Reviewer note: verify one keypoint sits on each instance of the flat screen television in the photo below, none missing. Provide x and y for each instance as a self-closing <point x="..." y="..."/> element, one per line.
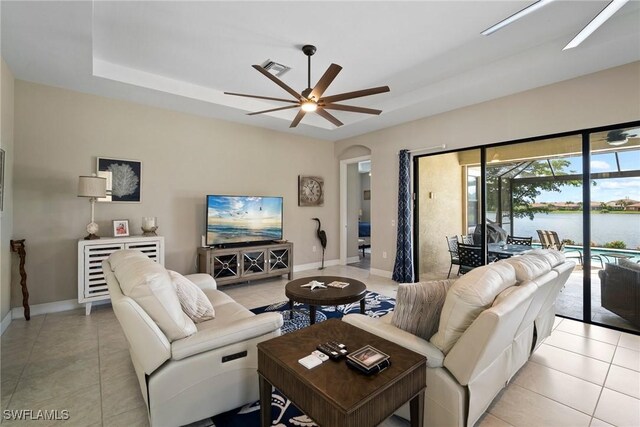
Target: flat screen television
<point x="233" y="220"/>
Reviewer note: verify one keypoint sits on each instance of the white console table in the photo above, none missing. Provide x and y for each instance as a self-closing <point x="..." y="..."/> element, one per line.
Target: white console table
<point x="92" y="285"/>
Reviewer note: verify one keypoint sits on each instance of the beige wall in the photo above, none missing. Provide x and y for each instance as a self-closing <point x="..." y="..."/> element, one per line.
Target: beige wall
<point x="440" y="211"/>
<point x="604" y="98"/>
<point x="6" y="221"/>
<point x="59" y="133"/>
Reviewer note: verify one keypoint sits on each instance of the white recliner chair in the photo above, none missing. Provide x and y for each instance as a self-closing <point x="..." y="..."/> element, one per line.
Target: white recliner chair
<point x="188" y="379"/>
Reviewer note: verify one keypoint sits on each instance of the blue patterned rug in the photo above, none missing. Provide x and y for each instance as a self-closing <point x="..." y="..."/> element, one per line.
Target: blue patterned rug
<point x="285" y="413"/>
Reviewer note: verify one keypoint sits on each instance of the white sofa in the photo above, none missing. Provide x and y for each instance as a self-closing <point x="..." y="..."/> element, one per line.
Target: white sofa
<point x="188" y="379"/>
<point x="474" y="355"/>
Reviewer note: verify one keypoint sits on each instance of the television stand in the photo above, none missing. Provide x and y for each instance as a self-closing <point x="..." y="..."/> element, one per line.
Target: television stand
<point x="247" y="262"/>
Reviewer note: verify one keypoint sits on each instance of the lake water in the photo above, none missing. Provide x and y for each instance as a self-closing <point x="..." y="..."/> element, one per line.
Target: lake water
<point x="604" y="227"/>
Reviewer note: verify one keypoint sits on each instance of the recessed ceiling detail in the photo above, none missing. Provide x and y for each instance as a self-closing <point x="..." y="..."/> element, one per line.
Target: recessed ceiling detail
<point x="182" y="55"/>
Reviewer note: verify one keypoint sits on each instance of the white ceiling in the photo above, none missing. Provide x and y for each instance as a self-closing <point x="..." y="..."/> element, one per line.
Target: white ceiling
<point x="182" y="55"/>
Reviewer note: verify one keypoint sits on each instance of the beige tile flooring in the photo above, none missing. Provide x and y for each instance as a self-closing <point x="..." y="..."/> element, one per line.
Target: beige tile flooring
<point x="581" y="375"/>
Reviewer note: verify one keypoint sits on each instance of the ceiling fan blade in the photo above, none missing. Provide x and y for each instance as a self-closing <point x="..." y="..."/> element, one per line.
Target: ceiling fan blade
<point x="325" y="81"/>
<point x="297" y="119"/>
<point x="329" y="117"/>
<point x="261" y="97"/>
<point x="277" y="81"/>
<point x="351" y="108"/>
<point x="288" y="107"/>
<point x="356" y="94"/>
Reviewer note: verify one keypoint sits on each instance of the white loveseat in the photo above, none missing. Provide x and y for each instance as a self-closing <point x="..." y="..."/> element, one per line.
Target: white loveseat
<point x="208" y="372"/>
<point x="492" y="320"/>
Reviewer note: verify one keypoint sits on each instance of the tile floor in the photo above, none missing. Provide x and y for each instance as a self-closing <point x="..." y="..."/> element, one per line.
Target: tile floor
<point x="581" y="376"/>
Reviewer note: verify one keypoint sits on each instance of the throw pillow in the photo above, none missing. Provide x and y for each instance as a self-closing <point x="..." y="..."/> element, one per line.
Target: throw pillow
<point x="418" y="307"/>
<point x="193" y="301"/>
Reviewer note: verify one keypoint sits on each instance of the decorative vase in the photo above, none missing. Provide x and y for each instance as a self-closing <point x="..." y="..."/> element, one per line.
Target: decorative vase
<point x="149" y="225"/>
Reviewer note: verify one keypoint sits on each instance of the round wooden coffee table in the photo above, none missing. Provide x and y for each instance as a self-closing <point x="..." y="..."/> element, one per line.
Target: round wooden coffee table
<point x="329" y="296"/>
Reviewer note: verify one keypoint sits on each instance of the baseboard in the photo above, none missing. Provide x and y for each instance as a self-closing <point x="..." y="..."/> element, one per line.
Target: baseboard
<point x="6" y="322"/>
<point x="353" y="259"/>
<point x="52" y="307"/>
<point x="381" y="273"/>
<point x="312" y="265"/>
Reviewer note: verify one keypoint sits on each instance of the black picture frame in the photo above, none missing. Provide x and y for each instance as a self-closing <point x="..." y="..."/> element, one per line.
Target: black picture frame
<point x="124" y="179"/>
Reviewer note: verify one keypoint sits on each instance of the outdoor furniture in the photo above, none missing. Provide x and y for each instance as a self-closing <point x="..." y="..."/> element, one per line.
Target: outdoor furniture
<point x="620" y="289"/>
<point x="503" y="251"/>
<point x="452" y="243"/>
<point x="521" y="241"/>
<point x="550" y="240"/>
<point x="469" y="257"/>
<point x="467" y="239"/>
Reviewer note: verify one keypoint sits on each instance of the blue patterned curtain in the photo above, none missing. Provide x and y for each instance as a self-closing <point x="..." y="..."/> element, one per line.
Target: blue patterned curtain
<point x="403" y="267"/>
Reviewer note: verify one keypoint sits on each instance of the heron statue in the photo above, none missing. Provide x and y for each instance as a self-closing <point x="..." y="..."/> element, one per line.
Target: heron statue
<point x="322" y="236"/>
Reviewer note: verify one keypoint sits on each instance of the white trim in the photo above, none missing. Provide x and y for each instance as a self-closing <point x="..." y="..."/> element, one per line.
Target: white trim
<point x="52" y="307"/>
<point x="353" y="259"/>
<point x="381" y="273"/>
<point x="343" y="204"/>
<point x="6" y="322"/>
<point x="312" y="265"/>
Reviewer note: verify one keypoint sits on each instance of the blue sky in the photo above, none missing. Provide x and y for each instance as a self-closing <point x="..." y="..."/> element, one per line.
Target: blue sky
<point x="605" y="190"/>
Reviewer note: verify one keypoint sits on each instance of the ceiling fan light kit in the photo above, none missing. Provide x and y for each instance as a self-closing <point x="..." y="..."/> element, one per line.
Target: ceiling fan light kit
<point x="311" y="100"/>
<point x="591" y="27"/>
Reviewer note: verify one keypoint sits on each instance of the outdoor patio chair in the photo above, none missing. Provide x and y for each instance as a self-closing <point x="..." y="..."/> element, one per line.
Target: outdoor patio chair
<point x="550" y="240"/>
<point x="467" y="239"/>
<point x="520" y="241"/>
<point x="470" y="257"/>
<point x="452" y="243"/>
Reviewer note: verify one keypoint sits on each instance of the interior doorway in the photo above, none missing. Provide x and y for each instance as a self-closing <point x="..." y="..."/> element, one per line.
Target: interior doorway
<point x="355" y="212"/>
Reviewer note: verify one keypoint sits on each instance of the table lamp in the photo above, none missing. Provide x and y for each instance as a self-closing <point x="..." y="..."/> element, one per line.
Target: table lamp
<point x="92" y="187"/>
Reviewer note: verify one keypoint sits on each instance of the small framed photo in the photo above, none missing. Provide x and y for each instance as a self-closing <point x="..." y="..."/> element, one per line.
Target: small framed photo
<point x="368" y="357"/>
<point x="120" y="228"/>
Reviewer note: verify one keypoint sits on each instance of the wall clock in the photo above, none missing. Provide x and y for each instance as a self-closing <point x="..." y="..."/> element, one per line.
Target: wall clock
<point x="310" y="191"/>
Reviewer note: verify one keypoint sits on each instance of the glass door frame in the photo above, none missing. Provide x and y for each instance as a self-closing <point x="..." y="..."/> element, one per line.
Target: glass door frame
<point x="586" y="202"/>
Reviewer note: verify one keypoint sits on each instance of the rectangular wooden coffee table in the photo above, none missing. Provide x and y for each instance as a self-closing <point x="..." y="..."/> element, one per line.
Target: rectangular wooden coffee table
<point x="332" y="394"/>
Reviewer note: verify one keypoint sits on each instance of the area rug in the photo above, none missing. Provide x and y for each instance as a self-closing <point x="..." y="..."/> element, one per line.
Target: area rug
<point x="284" y="412"/>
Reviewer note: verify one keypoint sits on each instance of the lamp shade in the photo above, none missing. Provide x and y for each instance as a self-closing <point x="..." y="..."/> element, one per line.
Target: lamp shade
<point x="92" y="186"/>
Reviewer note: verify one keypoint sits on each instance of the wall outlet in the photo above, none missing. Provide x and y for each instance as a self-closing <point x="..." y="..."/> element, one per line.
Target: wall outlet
<point x="384" y="255"/>
<point x="314" y="248"/>
<point x="393" y="222"/>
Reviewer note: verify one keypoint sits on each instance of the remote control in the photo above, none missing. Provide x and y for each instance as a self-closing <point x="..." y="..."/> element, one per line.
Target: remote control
<point x="329" y="352"/>
<point x="337" y="347"/>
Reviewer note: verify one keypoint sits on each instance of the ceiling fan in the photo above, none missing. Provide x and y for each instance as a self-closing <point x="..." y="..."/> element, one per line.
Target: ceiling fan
<point x="311" y="100"/>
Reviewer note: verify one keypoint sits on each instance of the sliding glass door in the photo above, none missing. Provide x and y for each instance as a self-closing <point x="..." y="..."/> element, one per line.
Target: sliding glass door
<point x="534" y="199"/>
<point x="575" y="192"/>
<point x="615" y="227"/>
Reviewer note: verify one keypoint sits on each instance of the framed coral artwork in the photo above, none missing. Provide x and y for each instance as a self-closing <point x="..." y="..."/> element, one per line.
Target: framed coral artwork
<point x="124" y="179"/>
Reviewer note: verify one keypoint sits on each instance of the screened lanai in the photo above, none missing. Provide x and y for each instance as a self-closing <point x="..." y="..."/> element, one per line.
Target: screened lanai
<point x="544" y="184"/>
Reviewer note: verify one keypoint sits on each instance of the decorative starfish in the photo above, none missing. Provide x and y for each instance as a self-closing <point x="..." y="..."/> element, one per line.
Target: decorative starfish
<point x="314" y="284"/>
